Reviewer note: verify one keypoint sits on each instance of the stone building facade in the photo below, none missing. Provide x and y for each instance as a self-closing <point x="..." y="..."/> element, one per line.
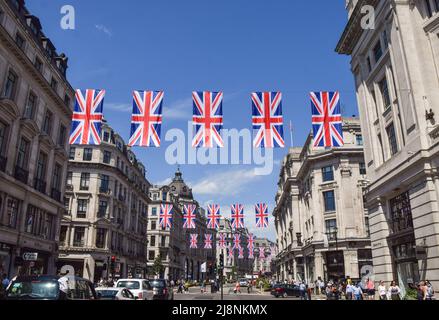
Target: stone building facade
<point x="263" y="264"/>
<point x="35" y="116"/>
<point x="321" y="223"/>
<point x="396" y="71"/>
<point x="103" y="231"/>
<point x="179" y="261"/>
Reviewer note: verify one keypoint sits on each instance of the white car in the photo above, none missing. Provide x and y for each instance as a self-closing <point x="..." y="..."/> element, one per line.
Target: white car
<point x="115" y="294"/>
<point x="243" y="282"/>
<point x="140" y="288"/>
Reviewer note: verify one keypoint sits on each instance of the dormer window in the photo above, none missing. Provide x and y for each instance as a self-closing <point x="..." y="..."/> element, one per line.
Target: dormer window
<point x="34" y="28"/>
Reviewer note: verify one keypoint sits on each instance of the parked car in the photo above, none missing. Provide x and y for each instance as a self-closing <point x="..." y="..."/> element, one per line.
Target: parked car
<point x="285" y="290"/>
<point x="243" y="282"/>
<point x="45" y="287"/>
<point x="140" y="288"/>
<point x="161" y="290"/>
<point x="115" y="294"/>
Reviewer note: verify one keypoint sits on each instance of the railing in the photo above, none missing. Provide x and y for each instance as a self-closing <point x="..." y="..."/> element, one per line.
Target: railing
<point x="104" y="190"/>
<point x="40" y="185"/>
<point x="56" y="194"/>
<point x="3" y="162"/>
<point x="78" y="243"/>
<point x="21" y="174"/>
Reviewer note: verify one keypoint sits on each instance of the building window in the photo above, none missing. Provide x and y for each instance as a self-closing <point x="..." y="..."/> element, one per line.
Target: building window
<point x="428" y="8"/>
<point x="56" y="180"/>
<point x="69" y="178"/>
<point x="38" y="65"/>
<point x="12" y="212"/>
<point x="392" y="139"/>
<point x="101" y="235"/>
<point x="359" y="139"/>
<point x="79" y="236"/>
<point x="102" y="212"/>
<point x="164" y="196"/>
<point x="105" y="183"/>
<point x="40" y="183"/>
<point x="369" y="64"/>
<point x="47" y="125"/>
<point x="363" y="168"/>
<point x="22" y="153"/>
<point x="384" y="88"/>
<point x="82" y="208"/>
<point x="19" y="41"/>
<point x="377" y="52"/>
<point x="87" y="155"/>
<point x="367" y="225"/>
<point x="401" y="213"/>
<point x="106" y="136"/>
<point x="152" y="242"/>
<point x="63" y="236"/>
<point x="331" y="229"/>
<point x="107" y="157"/>
<point x="11" y="82"/>
<point x="53" y="83"/>
<point x="85" y="181"/>
<point x="328" y="173"/>
<point x="380" y="140"/>
<point x="151" y="255"/>
<point x="67" y="100"/>
<point x="154" y="211"/>
<point x="62" y="135"/>
<point x="386" y="39"/>
<point x="3" y="140"/>
<point x="31" y="105"/>
<point x="329" y="199"/>
<point x="72" y="151"/>
<point x="153" y="225"/>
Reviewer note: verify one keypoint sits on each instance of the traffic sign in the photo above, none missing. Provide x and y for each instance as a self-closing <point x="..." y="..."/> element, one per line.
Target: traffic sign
<point x="30" y="256"/>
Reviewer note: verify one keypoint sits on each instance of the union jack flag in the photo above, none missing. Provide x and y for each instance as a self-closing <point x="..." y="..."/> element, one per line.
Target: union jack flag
<point x="146" y="121"/>
<point x="222" y="241"/>
<point x="237" y="216"/>
<point x="262" y="253"/>
<point x="87" y="117"/>
<point x="194" y="241"/>
<point x="207" y="241"/>
<point x="326" y="119"/>
<point x="241" y="253"/>
<point x="189" y="216"/>
<point x="213" y="216"/>
<point x="261" y="215"/>
<point x="166" y="216"/>
<point x="236" y="241"/>
<point x="207" y="119"/>
<point x="231" y="253"/>
<point x="251" y="241"/>
<point x="268" y="120"/>
<point x="251" y="254"/>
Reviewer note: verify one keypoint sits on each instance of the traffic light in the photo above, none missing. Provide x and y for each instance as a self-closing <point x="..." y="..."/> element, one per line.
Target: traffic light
<point x="221" y="262"/>
<point x="112" y="263"/>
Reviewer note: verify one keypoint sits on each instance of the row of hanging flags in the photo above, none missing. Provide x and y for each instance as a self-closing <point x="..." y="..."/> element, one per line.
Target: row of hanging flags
<point x="147" y="119"/>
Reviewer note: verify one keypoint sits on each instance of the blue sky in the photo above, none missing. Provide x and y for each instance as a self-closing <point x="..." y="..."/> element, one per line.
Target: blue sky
<point x="234" y="46"/>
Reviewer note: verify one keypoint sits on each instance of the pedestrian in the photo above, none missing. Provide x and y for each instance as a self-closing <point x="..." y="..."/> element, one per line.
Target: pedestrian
<point x="309" y="291"/>
<point x="302" y="288"/>
<point x="5" y="281"/>
<point x="394" y="291"/>
<point x="430" y="290"/>
<point x="237" y="288"/>
<point x="370" y="287"/>
<point x="358" y="292"/>
<point x="382" y="291"/>
<point x="349" y="291"/>
<point x="422" y="291"/>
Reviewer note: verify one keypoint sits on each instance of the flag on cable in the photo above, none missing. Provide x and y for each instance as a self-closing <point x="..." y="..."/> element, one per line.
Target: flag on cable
<point x="237" y="216"/>
<point x="261" y="215"/>
<point x="207" y="119"/>
<point x="250" y="246"/>
<point x="241" y="253"/>
<point x="251" y="254"/>
<point x="87" y="117"/>
<point x="194" y="241"/>
<point x="222" y="241"/>
<point x="236" y="241"/>
<point x="207" y="241"/>
<point x="231" y="253"/>
<point x="189" y="216"/>
<point x="213" y="216"/>
<point x="146" y="120"/>
<point x="326" y="119"/>
<point x="262" y="253"/>
<point x="268" y="120"/>
<point x="166" y="216"/>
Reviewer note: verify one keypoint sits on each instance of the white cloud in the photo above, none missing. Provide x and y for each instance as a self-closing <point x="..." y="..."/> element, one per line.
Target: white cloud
<point x="225" y="184"/>
<point x="104" y="29"/>
<point x="163" y="182"/>
<point x="120" y="107"/>
<point x="180" y="109"/>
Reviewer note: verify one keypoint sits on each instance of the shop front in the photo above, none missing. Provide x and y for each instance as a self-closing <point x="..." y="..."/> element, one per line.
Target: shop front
<point x="335" y="267"/>
<point x="6" y="262"/>
<point x="34" y="262"/>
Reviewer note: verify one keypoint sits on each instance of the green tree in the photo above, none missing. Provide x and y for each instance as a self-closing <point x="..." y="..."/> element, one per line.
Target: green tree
<point x="158" y="267"/>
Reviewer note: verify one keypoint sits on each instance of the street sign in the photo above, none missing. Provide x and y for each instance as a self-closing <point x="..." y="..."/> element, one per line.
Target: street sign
<point x="30" y="256"/>
<point x="204" y="267"/>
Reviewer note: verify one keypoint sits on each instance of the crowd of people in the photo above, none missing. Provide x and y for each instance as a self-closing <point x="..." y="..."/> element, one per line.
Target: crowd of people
<point x="362" y="290"/>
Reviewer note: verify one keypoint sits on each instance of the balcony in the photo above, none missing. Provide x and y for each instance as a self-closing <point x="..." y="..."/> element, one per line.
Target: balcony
<point x="3" y="162"/>
<point x="56" y="194"/>
<point x="40" y="185"/>
<point x="104" y="190"/>
<point x="78" y="243"/>
<point x="21" y="175"/>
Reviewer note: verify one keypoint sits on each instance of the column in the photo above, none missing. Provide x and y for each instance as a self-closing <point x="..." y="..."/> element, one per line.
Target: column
<point x="318" y="261"/>
<point x="351" y="263"/>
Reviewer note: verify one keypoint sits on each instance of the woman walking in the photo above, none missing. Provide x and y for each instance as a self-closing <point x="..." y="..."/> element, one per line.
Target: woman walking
<point x="382" y="291"/>
<point x="394" y="291"/>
